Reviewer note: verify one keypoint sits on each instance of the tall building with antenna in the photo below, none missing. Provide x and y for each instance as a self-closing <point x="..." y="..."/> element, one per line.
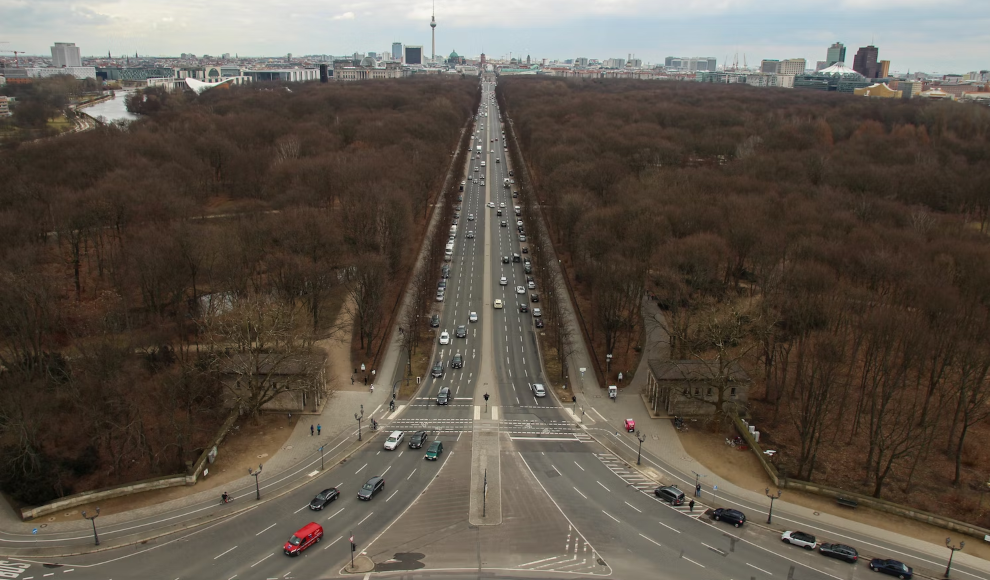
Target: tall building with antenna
<point x="433" y="32"/>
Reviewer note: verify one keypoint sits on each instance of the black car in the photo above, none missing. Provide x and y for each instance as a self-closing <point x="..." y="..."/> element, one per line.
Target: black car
<point x="528" y="269"/>
<point x="534" y="297"/>
<point x="892" y="568"/>
<point x="505" y="224"/>
<point x="461" y="332"/>
<point x="670" y="494"/>
<point x="734" y="517"/>
<point x="523" y="307"/>
<point x="418" y="439"/>
<point x="435" y="320"/>
<point x="539" y="323"/>
<point x="840" y="551"/>
<point x="444" y="397"/>
<point x="323" y="498"/>
<point x="437" y="371"/>
<point x="374" y="485"/>
<point x="525" y="250"/>
<point x="445" y="271"/>
<point x="457" y="362"/>
<point x="442" y="283"/>
<point x="505" y="259"/>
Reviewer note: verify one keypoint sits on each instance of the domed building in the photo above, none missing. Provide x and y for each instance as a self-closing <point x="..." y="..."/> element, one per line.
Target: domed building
<point x="837" y="77"/>
<point x="455" y="58"/>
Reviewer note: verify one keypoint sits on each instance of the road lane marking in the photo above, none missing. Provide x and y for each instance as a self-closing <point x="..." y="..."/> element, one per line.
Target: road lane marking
<point x="669" y="528"/>
<point x="359" y="470"/>
<point x="391" y="496"/>
<point x="633" y="507"/>
<point x="755" y="568"/>
<point x="268" y="528"/>
<point x="580" y="494"/>
<point x="712" y="548"/>
<point x="555" y="468"/>
<point x="649" y="540"/>
<point x="611" y="516"/>
<point x="386" y="470"/>
<point x="228" y="551"/>
<point x="414" y="471"/>
<point x="695" y="563"/>
<point x="365" y="517"/>
<point x="330" y="544"/>
<point x="603" y="485"/>
<point x="338" y="511"/>
<point x="263" y="559"/>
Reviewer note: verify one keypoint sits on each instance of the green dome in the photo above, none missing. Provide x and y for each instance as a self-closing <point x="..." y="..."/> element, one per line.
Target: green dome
<point x="454" y="54"/>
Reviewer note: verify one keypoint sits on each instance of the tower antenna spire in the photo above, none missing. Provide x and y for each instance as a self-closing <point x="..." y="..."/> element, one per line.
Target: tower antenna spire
<point x="433" y="30"/>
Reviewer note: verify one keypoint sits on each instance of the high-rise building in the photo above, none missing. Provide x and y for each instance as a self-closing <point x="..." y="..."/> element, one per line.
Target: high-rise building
<point x="694" y="63"/>
<point x="580" y="61"/>
<point x="792" y="66"/>
<point x="65" y="54"/>
<point x="865" y="62"/>
<point x="836" y="53"/>
<point x="433" y="35"/>
<point x="413" y="54"/>
<point x="769" y="66"/>
<point x="397" y="51"/>
<point x="884" y="69"/>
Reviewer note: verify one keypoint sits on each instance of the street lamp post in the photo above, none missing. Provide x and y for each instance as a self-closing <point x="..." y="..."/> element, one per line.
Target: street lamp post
<point x="948" y="544"/>
<point x="321" y="458"/>
<point x="359" y="417"/>
<point x="772" y="497"/>
<point x="608" y="364"/>
<point x="257" y="486"/>
<point x="641" y="437"/>
<point x="97" y="538"/>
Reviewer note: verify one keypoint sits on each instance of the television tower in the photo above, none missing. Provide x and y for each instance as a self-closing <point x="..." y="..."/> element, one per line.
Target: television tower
<point x="433" y="31"/>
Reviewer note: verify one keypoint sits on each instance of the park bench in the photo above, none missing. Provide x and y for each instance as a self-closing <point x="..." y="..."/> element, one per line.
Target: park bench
<point x="845" y="501"/>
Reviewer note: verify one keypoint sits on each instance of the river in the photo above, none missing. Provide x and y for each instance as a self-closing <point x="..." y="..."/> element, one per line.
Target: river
<point x="112" y="109"/>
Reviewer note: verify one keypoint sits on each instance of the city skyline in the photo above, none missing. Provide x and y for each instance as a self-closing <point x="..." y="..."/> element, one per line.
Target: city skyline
<point x="919" y="35"/>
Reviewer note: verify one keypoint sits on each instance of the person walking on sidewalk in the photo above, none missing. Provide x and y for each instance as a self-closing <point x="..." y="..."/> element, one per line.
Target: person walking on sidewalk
<point x="318" y="427"/>
<point x="372" y="388"/>
<point x="310" y="430"/>
<point x="691" y="505"/>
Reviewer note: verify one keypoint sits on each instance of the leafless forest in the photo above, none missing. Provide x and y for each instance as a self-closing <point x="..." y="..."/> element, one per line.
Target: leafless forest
<point x="835" y="246"/>
<point x="132" y="260"/>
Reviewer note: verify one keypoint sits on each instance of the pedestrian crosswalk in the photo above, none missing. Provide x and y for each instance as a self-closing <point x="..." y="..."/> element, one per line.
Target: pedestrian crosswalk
<point x="578" y="557"/>
<point x="641" y="483"/>
<point x="522" y="428"/>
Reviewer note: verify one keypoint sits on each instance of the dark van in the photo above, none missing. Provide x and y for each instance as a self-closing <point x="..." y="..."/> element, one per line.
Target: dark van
<point x="308" y="535"/>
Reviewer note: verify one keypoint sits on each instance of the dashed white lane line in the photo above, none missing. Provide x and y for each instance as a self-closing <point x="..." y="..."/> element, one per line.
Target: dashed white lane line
<point x="579" y="466"/>
<point x="391" y="496"/>
<point x="669" y="528"/>
<point x="365" y="517"/>
<point x="611" y="516"/>
<point x="338" y="511"/>
<point x="580" y="494"/>
<point x="603" y="486"/>
<point x="227" y="552"/>
<point x="633" y="507"/>
<point x="411" y="474"/>
<point x="332" y="543"/>
<point x="713" y="549"/>
<point x="263" y="559"/>
<point x="266" y="529"/>
<point x="697" y="564"/>
<point x="755" y="568"/>
<point x="650" y="540"/>
<point x="359" y="470"/>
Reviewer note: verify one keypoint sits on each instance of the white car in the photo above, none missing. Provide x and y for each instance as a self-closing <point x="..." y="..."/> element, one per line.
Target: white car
<point x="502" y="205"/>
<point x="520" y="290"/>
<point x="498" y="304"/>
<point x="470" y="217"/>
<point x="393" y="440"/>
<point x="538" y="390"/>
<point x="503" y="281"/>
<point x="519" y="222"/>
<point x="473" y="317"/>
<point x="444" y="337"/>
<point x="801" y="539"/>
<point x="491" y="204"/>
<point x="537" y="313"/>
<point x="531" y="284"/>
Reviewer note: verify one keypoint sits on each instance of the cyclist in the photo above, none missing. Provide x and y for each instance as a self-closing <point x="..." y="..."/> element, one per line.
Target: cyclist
<point x="225" y="497"/>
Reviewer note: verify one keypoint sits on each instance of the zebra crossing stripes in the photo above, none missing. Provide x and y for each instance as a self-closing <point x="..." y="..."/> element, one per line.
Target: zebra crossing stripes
<point x="643" y="484"/>
<point x="578" y="557"/>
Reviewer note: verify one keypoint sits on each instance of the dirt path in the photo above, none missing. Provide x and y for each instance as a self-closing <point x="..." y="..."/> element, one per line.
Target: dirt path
<point x="744" y="470"/>
<point x="338" y="349"/>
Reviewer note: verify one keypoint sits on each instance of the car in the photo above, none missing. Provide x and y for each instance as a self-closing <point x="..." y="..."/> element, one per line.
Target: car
<point x="669" y="494"/>
<point x="534" y="297"/>
<point x="516" y="258"/>
<point x="393" y="440"/>
<point x="374" y="485"/>
<point x="437" y="371"/>
<point x="531" y="284"/>
<point x="539" y="323"/>
<point x="525" y="250"/>
<point x="537" y="313"/>
<point x="503" y="281"/>
<point x="505" y="259"/>
<point x="528" y="268"/>
<point x="515" y="194"/>
<point x="418" y="439"/>
<point x="734" y="517"/>
<point x="519" y="222"/>
<point x="482" y="184"/>
<point x="323" y="498"/>
<point x="523" y="307"/>
<point x="444" y="337"/>
<point x="456" y="215"/>
<point x="440" y="295"/>
<point x="839" y="551"/>
<point x="522" y="237"/>
<point x="492" y="151"/>
<point x="436" y="448"/>
<point x="469" y="235"/>
<point x="445" y="271"/>
<point x="511" y="174"/>
<point x="527" y="261"/>
<point x="435" y="320"/>
<point x="473" y="317"/>
<point x="461" y="332"/>
<point x="443" y="397"/>
<point x="470" y="217"/>
<point x="491" y="204"/>
<point x="442" y="283"/>
<point x="308" y="535"/>
<point x="892" y="568"/>
<point x="504" y="224"/>
<point x="502" y="205"/>
<point x="538" y="390"/>
<point x="520" y="290"/>
<point x="497" y="304"/>
<point x="806" y="541"/>
<point x="457" y="362"/>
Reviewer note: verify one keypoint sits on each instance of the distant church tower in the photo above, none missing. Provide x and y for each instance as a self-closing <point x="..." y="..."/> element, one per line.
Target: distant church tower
<point x="433" y="31"/>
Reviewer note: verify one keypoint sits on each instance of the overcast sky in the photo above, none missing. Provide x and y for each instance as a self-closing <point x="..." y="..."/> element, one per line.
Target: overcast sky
<point x="926" y="35"/>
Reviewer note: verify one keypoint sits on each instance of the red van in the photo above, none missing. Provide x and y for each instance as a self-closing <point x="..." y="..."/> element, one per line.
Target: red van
<point x="310" y="534"/>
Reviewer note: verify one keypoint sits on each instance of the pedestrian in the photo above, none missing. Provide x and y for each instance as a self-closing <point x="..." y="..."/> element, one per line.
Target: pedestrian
<point x="691" y="505"/>
<point x="697" y="490"/>
<point x="372" y="387"/>
<point x="290" y="416"/>
<point x="310" y="430"/>
<point x="366" y="380"/>
<point x="352" y="379"/>
<point x="318" y="428"/>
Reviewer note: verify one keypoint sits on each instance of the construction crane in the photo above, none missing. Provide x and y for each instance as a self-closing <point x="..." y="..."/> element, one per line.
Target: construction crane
<point x="17" y="63"/>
